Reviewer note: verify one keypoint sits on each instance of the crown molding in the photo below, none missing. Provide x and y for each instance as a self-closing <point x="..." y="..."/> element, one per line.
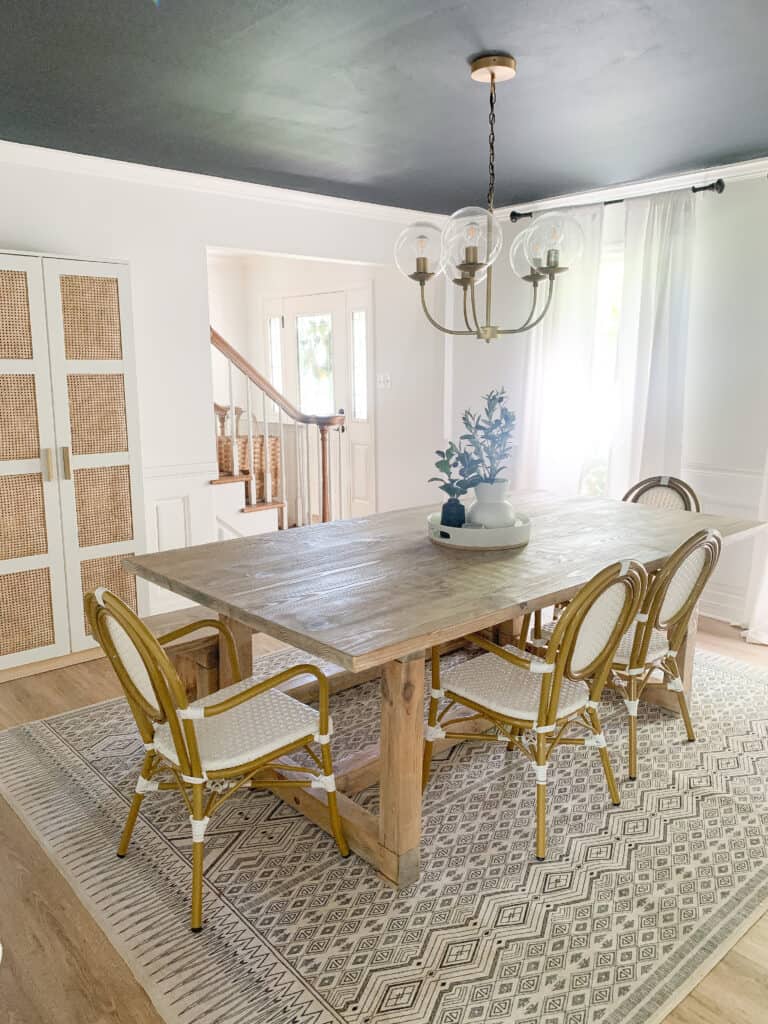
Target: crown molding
<point x="634" y="189"/>
<point x="19" y="155"/>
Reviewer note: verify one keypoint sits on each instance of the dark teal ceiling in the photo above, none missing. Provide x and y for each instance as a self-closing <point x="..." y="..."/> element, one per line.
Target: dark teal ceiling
<point x="372" y="100"/>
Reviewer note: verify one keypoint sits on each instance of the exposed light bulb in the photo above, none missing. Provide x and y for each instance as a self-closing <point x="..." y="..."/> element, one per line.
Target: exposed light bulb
<point x="473" y="230"/>
<point x="421" y="245"/>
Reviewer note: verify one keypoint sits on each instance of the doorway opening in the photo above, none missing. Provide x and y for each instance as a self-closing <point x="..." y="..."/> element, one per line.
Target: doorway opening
<point x="307" y="327"/>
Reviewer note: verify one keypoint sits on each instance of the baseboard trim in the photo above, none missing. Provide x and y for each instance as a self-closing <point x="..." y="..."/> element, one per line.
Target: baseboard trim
<point x="36" y="668"/>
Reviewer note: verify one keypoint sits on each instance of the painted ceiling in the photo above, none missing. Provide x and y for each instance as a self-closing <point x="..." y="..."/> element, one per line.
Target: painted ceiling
<point x="373" y="100"/>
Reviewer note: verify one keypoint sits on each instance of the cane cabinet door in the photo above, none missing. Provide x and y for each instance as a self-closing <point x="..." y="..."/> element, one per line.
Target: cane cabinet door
<point x="33" y="602"/>
<point x="96" y="430"/>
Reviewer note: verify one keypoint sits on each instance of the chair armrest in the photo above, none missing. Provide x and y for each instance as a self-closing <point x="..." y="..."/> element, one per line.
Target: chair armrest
<point x="530" y="664"/>
<point x="222" y="628"/>
<point x="209" y="710"/>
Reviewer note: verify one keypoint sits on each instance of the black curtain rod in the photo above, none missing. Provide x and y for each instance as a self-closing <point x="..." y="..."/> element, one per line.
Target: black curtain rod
<point x="714" y="186"/>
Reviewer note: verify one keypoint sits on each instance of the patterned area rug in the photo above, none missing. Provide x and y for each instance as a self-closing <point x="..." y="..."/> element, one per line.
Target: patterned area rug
<point x="632" y="907"/>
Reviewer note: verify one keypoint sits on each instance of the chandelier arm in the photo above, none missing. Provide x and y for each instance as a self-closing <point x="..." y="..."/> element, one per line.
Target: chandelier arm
<point x="474" y="310"/>
<point x="529" y="324"/>
<point x="466" y="316"/>
<point x="534" y="304"/>
<point x="428" y="315"/>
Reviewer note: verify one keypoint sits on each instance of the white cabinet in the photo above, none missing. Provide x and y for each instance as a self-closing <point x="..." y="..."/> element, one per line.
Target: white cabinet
<point x="70" y="482"/>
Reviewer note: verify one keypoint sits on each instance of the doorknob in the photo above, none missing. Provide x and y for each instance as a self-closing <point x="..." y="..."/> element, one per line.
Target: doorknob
<point x="342" y="428"/>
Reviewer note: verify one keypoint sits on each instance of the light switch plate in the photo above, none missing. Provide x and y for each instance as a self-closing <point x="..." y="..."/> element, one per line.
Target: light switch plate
<point x="383" y="380"/>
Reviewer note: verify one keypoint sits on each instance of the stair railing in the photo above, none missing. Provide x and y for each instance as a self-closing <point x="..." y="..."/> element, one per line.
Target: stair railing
<point x="311" y="439"/>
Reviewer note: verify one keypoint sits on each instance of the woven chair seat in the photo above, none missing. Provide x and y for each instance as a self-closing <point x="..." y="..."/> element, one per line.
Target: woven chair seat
<point x="657" y="648"/>
<point x="508" y="690"/>
<point x="252" y="730"/>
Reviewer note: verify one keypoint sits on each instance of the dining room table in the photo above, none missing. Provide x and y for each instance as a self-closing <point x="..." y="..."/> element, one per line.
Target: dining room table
<point x="375" y="594"/>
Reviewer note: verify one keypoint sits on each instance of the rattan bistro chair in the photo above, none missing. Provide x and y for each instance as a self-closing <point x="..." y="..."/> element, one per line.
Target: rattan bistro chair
<point x="648" y="653"/>
<point x="210" y="748"/>
<point x="664" y="492"/>
<point x="535" y="701"/>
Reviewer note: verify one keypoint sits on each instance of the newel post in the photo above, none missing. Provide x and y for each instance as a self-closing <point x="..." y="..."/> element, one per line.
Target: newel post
<point x="324" y="469"/>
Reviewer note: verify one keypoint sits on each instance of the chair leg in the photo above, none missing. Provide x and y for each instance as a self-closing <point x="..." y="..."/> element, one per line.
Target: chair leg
<point x="613" y="789"/>
<point x="633" y="747"/>
<point x="540" y="767"/>
<point x="605" y="759"/>
<point x="541" y="820"/>
<point x="426" y="763"/>
<point x="675" y="675"/>
<point x="333" y="803"/>
<point x="686" y="716"/>
<point x="199" y="822"/>
<point x="138" y="798"/>
<point x="631" y="705"/>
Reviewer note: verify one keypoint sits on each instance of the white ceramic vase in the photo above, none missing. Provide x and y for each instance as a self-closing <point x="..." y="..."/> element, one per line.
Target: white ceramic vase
<point x="491" y="508"/>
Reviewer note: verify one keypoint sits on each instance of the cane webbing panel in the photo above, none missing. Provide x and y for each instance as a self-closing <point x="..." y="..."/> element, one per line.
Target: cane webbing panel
<point x="90" y="307"/>
<point x="108" y="572"/>
<point x="19" y="432"/>
<point x="15" y="325"/>
<point x="22" y="516"/>
<point x="97" y="413"/>
<point x="103" y="504"/>
<point x="26" y="611"/>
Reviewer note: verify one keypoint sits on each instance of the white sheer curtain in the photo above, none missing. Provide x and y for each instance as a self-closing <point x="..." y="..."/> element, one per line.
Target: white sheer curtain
<point x="653" y="339"/>
<point x="553" y="437"/>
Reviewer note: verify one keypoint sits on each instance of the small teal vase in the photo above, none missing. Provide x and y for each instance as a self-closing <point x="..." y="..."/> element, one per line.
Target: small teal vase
<point x="453" y="513"/>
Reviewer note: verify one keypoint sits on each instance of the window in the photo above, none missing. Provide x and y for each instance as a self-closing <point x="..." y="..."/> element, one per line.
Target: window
<point x="359" y="365"/>
<point x="274" y="325"/>
<point x="602" y="415"/>
<point x="313" y="337"/>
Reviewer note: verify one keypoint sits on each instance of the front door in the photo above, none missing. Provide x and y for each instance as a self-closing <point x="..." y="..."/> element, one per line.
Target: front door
<point x="327" y="366"/>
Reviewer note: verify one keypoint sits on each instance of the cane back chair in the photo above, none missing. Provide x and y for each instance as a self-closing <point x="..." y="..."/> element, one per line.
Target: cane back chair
<point x="211" y="747"/>
<point x="667" y="492"/>
<point x="648" y="652"/>
<point x="534" y="701"/>
<point x="662" y="492"/>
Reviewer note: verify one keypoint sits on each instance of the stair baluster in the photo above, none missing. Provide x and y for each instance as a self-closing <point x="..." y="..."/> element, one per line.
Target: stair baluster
<point x="254" y="459"/>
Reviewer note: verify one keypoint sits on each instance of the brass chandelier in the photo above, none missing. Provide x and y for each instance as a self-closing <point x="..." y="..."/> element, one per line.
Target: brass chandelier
<point x="471" y="241"/>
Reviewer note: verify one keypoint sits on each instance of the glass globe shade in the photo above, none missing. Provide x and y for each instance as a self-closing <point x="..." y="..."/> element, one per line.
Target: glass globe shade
<point x="418" y="240"/>
<point x="554" y="239"/>
<point x="517" y="256"/>
<point x="471" y="228"/>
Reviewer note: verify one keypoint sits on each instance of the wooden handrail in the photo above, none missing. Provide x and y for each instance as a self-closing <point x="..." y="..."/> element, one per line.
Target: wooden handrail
<point x="267" y="387"/>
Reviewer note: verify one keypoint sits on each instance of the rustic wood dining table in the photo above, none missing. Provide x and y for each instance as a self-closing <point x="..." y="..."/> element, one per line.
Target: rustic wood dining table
<point x="375" y="593"/>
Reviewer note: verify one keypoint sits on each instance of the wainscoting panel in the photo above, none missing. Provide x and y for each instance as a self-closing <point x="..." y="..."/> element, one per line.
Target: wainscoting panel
<point x="179" y="513"/>
<point x="728" y="491"/>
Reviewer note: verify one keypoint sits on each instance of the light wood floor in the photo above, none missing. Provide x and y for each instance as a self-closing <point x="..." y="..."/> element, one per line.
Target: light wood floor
<point x="58" y="968"/>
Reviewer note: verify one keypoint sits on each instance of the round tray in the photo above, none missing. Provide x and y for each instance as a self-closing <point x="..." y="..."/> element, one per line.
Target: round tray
<point x="478" y="538"/>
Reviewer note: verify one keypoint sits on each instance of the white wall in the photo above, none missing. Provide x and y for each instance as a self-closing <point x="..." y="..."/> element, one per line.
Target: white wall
<point x="161" y="222"/>
<point x="477" y="366"/>
<point x="228" y="312"/>
<point x="726" y="421"/>
<point x="408" y="420"/>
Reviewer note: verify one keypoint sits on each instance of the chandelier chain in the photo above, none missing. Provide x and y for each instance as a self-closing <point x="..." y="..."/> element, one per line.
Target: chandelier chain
<point x="492" y="144"/>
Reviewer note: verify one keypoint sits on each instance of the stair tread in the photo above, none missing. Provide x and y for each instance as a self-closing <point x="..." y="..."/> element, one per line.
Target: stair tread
<point x="261" y="506"/>
<point x="223" y="479"/>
